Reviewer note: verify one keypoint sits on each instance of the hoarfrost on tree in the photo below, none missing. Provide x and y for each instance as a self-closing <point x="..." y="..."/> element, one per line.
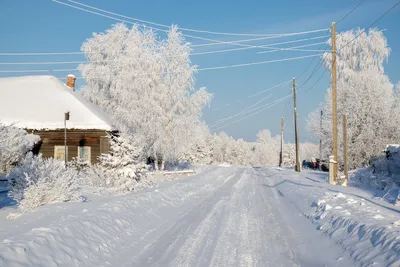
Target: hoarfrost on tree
<point x="365" y="94"/>
<point x="147" y="84"/>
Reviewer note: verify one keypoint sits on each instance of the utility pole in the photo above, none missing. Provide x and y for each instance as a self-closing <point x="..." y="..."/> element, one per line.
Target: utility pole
<point x="345" y="162"/>
<point x="320" y="140"/>
<point x="298" y="166"/>
<point x="334" y="103"/>
<point x="281" y="154"/>
<point x="66" y="118"/>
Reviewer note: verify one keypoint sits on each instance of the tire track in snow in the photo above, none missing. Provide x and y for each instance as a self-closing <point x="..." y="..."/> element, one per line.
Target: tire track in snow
<point x="164" y="247"/>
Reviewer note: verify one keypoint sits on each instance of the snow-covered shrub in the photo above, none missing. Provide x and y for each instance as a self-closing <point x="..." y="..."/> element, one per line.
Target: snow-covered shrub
<point x="382" y="175"/>
<point x="121" y="170"/>
<point x="39" y="181"/>
<point x="14" y="144"/>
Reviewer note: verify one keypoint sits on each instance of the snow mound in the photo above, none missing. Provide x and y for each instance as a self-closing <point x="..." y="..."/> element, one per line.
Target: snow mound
<point x="365" y="227"/>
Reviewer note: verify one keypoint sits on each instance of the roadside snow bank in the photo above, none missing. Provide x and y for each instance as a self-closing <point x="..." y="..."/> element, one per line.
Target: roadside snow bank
<point x="95" y="234"/>
<point x="368" y="228"/>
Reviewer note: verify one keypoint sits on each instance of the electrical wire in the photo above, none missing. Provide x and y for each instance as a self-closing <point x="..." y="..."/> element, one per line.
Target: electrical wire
<point x="294" y="48"/>
<point x="266" y="106"/>
<point x="274" y="49"/>
<point x="202" y="69"/>
<point x="371" y="25"/>
<point x="258" y="63"/>
<point x="184" y="29"/>
<point x="258" y="93"/>
<point x="351" y="11"/>
<point x="190" y="36"/>
<point x="247" y="110"/>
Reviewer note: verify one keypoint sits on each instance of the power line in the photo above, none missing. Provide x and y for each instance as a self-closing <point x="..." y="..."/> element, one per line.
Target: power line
<point x="184" y="29"/>
<point x="30" y="71"/>
<point x="371" y="25"/>
<point x="358" y="35"/>
<point x="217" y="51"/>
<point x="190" y="36"/>
<point x="203" y="69"/>
<point x="198" y="45"/>
<point x="81" y="62"/>
<point x="320" y="77"/>
<point x="270" y="46"/>
<point x="295" y="48"/>
<point x="351" y="11"/>
<point x="258" y="93"/>
<point x="266" y="106"/>
<point x="246" y="110"/>
<point x="41" y="54"/>
<point x="258" y="63"/>
<point x="52" y="62"/>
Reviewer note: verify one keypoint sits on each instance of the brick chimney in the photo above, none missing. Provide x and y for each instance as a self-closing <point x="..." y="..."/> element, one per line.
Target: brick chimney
<point x="71" y="81"/>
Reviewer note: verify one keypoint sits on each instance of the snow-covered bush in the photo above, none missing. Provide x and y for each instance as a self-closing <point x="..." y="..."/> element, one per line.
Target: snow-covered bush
<point x="39" y="181"/>
<point x="14" y="144"/>
<point x="382" y="175"/>
<point x="120" y="170"/>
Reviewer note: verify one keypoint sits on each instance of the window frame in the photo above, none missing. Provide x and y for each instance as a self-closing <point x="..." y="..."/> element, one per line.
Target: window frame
<point x="89" y="154"/>
<point x="55" y="152"/>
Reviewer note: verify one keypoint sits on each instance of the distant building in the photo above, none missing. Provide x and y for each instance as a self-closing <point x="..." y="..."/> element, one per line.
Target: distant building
<point x="38" y="104"/>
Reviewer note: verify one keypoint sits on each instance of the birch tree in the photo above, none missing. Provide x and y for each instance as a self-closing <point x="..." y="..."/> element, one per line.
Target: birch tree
<point x="148" y="85"/>
<point x="364" y="93"/>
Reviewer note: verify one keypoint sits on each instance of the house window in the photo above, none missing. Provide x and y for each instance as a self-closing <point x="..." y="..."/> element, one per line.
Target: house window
<point x="84" y="153"/>
<point x="59" y="152"/>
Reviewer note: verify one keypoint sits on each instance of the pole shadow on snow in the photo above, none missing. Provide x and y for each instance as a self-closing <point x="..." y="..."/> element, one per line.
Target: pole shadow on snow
<point x="331" y="190"/>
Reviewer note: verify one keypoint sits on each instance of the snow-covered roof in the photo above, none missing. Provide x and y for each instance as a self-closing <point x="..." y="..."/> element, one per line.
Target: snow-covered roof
<point x="39" y="102"/>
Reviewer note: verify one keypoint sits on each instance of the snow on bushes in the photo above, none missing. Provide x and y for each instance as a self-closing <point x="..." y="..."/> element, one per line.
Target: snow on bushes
<point x="120" y="170"/>
<point x="39" y="181"/>
<point x="383" y="175"/>
<point x="14" y="144"/>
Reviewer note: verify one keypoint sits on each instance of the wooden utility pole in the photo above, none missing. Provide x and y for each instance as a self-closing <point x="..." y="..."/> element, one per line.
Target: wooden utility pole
<point x="298" y="166"/>
<point x="66" y="118"/>
<point x="281" y="153"/>
<point x="345" y="162"/>
<point x="334" y="103"/>
<point x="320" y="140"/>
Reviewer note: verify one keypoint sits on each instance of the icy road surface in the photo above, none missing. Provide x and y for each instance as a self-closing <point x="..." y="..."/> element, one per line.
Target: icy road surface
<point x="224" y="216"/>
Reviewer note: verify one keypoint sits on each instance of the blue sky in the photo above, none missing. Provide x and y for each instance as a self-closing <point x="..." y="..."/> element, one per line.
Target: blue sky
<point x="45" y="26"/>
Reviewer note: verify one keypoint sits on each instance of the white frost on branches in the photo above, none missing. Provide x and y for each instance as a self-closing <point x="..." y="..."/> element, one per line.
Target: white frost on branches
<point x="121" y="170"/>
<point x="39" y="181"/>
<point x="365" y="95"/>
<point x="216" y="149"/>
<point x="147" y="84"/>
<point x="14" y="144"/>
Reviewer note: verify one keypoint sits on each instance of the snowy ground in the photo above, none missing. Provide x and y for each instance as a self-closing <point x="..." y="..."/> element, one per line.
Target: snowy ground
<point x="223" y="216"/>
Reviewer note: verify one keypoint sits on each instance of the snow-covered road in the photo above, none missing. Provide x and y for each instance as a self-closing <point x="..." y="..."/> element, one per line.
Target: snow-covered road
<point x="240" y="222"/>
<point x="225" y="216"/>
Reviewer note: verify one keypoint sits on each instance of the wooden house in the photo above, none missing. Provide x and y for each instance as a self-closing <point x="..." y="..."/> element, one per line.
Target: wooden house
<point x="38" y="104"/>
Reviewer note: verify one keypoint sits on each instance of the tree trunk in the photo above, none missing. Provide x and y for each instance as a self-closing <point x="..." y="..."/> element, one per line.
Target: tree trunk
<point x="156" y="163"/>
<point x="163" y="164"/>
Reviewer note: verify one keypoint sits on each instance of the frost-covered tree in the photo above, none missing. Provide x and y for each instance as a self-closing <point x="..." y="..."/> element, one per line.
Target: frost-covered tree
<point x="267" y="148"/>
<point x="202" y="149"/>
<point x="14" y="144"/>
<point x="147" y="84"/>
<point x="364" y="94"/>
<point x="121" y="169"/>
